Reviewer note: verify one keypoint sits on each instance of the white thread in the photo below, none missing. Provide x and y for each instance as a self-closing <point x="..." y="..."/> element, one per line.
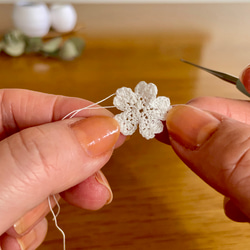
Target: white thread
<point x="142" y="108"/>
<point x="58" y="206"/>
<point x="55" y="219"/>
<point x="74" y="112"/>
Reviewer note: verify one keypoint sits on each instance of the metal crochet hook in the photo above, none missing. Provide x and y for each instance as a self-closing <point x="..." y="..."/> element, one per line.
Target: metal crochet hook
<point x="226" y="77"/>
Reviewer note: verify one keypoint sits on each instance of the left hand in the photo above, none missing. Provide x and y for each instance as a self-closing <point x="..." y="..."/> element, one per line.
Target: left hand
<point x="41" y="155"/>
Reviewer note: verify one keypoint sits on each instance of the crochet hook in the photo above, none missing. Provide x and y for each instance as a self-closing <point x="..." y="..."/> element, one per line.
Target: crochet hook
<point x="224" y="76"/>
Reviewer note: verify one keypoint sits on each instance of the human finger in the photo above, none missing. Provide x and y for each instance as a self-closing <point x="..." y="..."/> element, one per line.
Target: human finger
<point x="31" y="240"/>
<point x="21" y="109"/>
<point x="245" y="77"/>
<point x="49" y="159"/>
<point x="233" y="212"/>
<point x="29" y="220"/>
<point x="236" y="109"/>
<point x="216" y="148"/>
<point x="92" y="194"/>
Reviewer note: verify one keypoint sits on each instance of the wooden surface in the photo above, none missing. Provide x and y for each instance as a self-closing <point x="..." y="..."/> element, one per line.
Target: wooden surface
<point x="158" y="202"/>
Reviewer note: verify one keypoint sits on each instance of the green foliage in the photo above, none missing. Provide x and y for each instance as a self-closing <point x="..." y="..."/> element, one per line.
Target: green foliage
<point x="15" y="44"/>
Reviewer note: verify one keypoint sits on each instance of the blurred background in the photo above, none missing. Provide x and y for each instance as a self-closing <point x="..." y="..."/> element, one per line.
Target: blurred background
<point x="158" y="202"/>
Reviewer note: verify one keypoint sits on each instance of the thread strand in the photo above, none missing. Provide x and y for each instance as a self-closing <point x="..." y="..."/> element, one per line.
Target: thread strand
<point x="58" y="206"/>
<point x="55" y="220"/>
<point x="74" y="112"/>
<point x="71" y="115"/>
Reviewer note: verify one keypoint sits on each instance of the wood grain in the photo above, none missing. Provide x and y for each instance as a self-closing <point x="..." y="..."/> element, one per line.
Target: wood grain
<point x="158" y="202"/>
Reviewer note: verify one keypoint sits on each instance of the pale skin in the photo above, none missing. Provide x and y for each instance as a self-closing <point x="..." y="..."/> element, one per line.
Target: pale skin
<point x="211" y="136"/>
<point x="36" y="145"/>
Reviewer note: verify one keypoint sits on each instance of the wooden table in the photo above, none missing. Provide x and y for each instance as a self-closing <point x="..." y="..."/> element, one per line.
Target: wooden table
<point x="158" y="202"/>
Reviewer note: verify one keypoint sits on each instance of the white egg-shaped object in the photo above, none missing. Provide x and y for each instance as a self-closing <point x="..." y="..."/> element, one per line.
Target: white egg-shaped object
<point x="63" y="17"/>
<point x="32" y="18"/>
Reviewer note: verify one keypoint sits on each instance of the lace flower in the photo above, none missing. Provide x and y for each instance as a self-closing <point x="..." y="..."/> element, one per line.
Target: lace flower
<point x="142" y="108"/>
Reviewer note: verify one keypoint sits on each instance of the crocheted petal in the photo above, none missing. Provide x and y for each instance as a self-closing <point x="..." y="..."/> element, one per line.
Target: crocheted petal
<point x="128" y="122"/>
<point x="146" y="91"/>
<point x="149" y="127"/>
<point x="125" y="98"/>
<point x="159" y="107"/>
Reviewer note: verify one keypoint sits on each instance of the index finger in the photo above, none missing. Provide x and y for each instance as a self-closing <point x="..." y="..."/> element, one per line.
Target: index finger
<point x="20" y="109"/>
<point x="236" y="109"/>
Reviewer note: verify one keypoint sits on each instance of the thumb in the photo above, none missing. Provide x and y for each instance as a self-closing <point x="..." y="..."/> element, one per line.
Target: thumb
<point x="214" y="147"/>
<point x="49" y="159"/>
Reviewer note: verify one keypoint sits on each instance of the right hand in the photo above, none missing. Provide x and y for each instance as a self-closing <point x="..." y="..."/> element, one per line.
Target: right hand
<point x="212" y="137"/>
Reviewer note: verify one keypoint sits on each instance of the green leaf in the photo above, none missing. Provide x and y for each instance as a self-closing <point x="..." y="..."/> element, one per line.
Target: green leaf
<point x="14" y="49"/>
<point x="52" y="45"/>
<point x="68" y="51"/>
<point x="14" y="36"/>
<point x="14" y="43"/>
<point x="78" y="42"/>
<point x="33" y="44"/>
<point x="71" y="49"/>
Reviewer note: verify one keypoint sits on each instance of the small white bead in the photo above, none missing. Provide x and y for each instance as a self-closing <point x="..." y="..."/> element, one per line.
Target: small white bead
<point x="63" y="17"/>
<point x="33" y="19"/>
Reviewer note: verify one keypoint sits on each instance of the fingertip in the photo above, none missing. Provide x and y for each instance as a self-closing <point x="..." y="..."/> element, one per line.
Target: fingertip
<point x="164" y="135"/>
<point x="189" y="126"/>
<point x="233" y="212"/>
<point x="101" y="179"/>
<point x="122" y="138"/>
<point x="35" y="237"/>
<point x="245" y="77"/>
<point x="29" y="220"/>
<point x="8" y="242"/>
<point x="91" y="194"/>
<point x="31" y="240"/>
<point x="97" y="135"/>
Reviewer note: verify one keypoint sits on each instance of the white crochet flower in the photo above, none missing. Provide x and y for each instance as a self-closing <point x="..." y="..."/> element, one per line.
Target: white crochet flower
<point x="141" y="107"/>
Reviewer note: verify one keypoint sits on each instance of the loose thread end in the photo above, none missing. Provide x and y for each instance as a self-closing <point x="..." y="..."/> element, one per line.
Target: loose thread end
<point x="55" y="219"/>
<point x="75" y="112"/>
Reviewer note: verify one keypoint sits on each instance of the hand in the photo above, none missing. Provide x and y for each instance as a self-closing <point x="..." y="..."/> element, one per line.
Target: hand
<point x="40" y="155"/>
<point x="211" y="136"/>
